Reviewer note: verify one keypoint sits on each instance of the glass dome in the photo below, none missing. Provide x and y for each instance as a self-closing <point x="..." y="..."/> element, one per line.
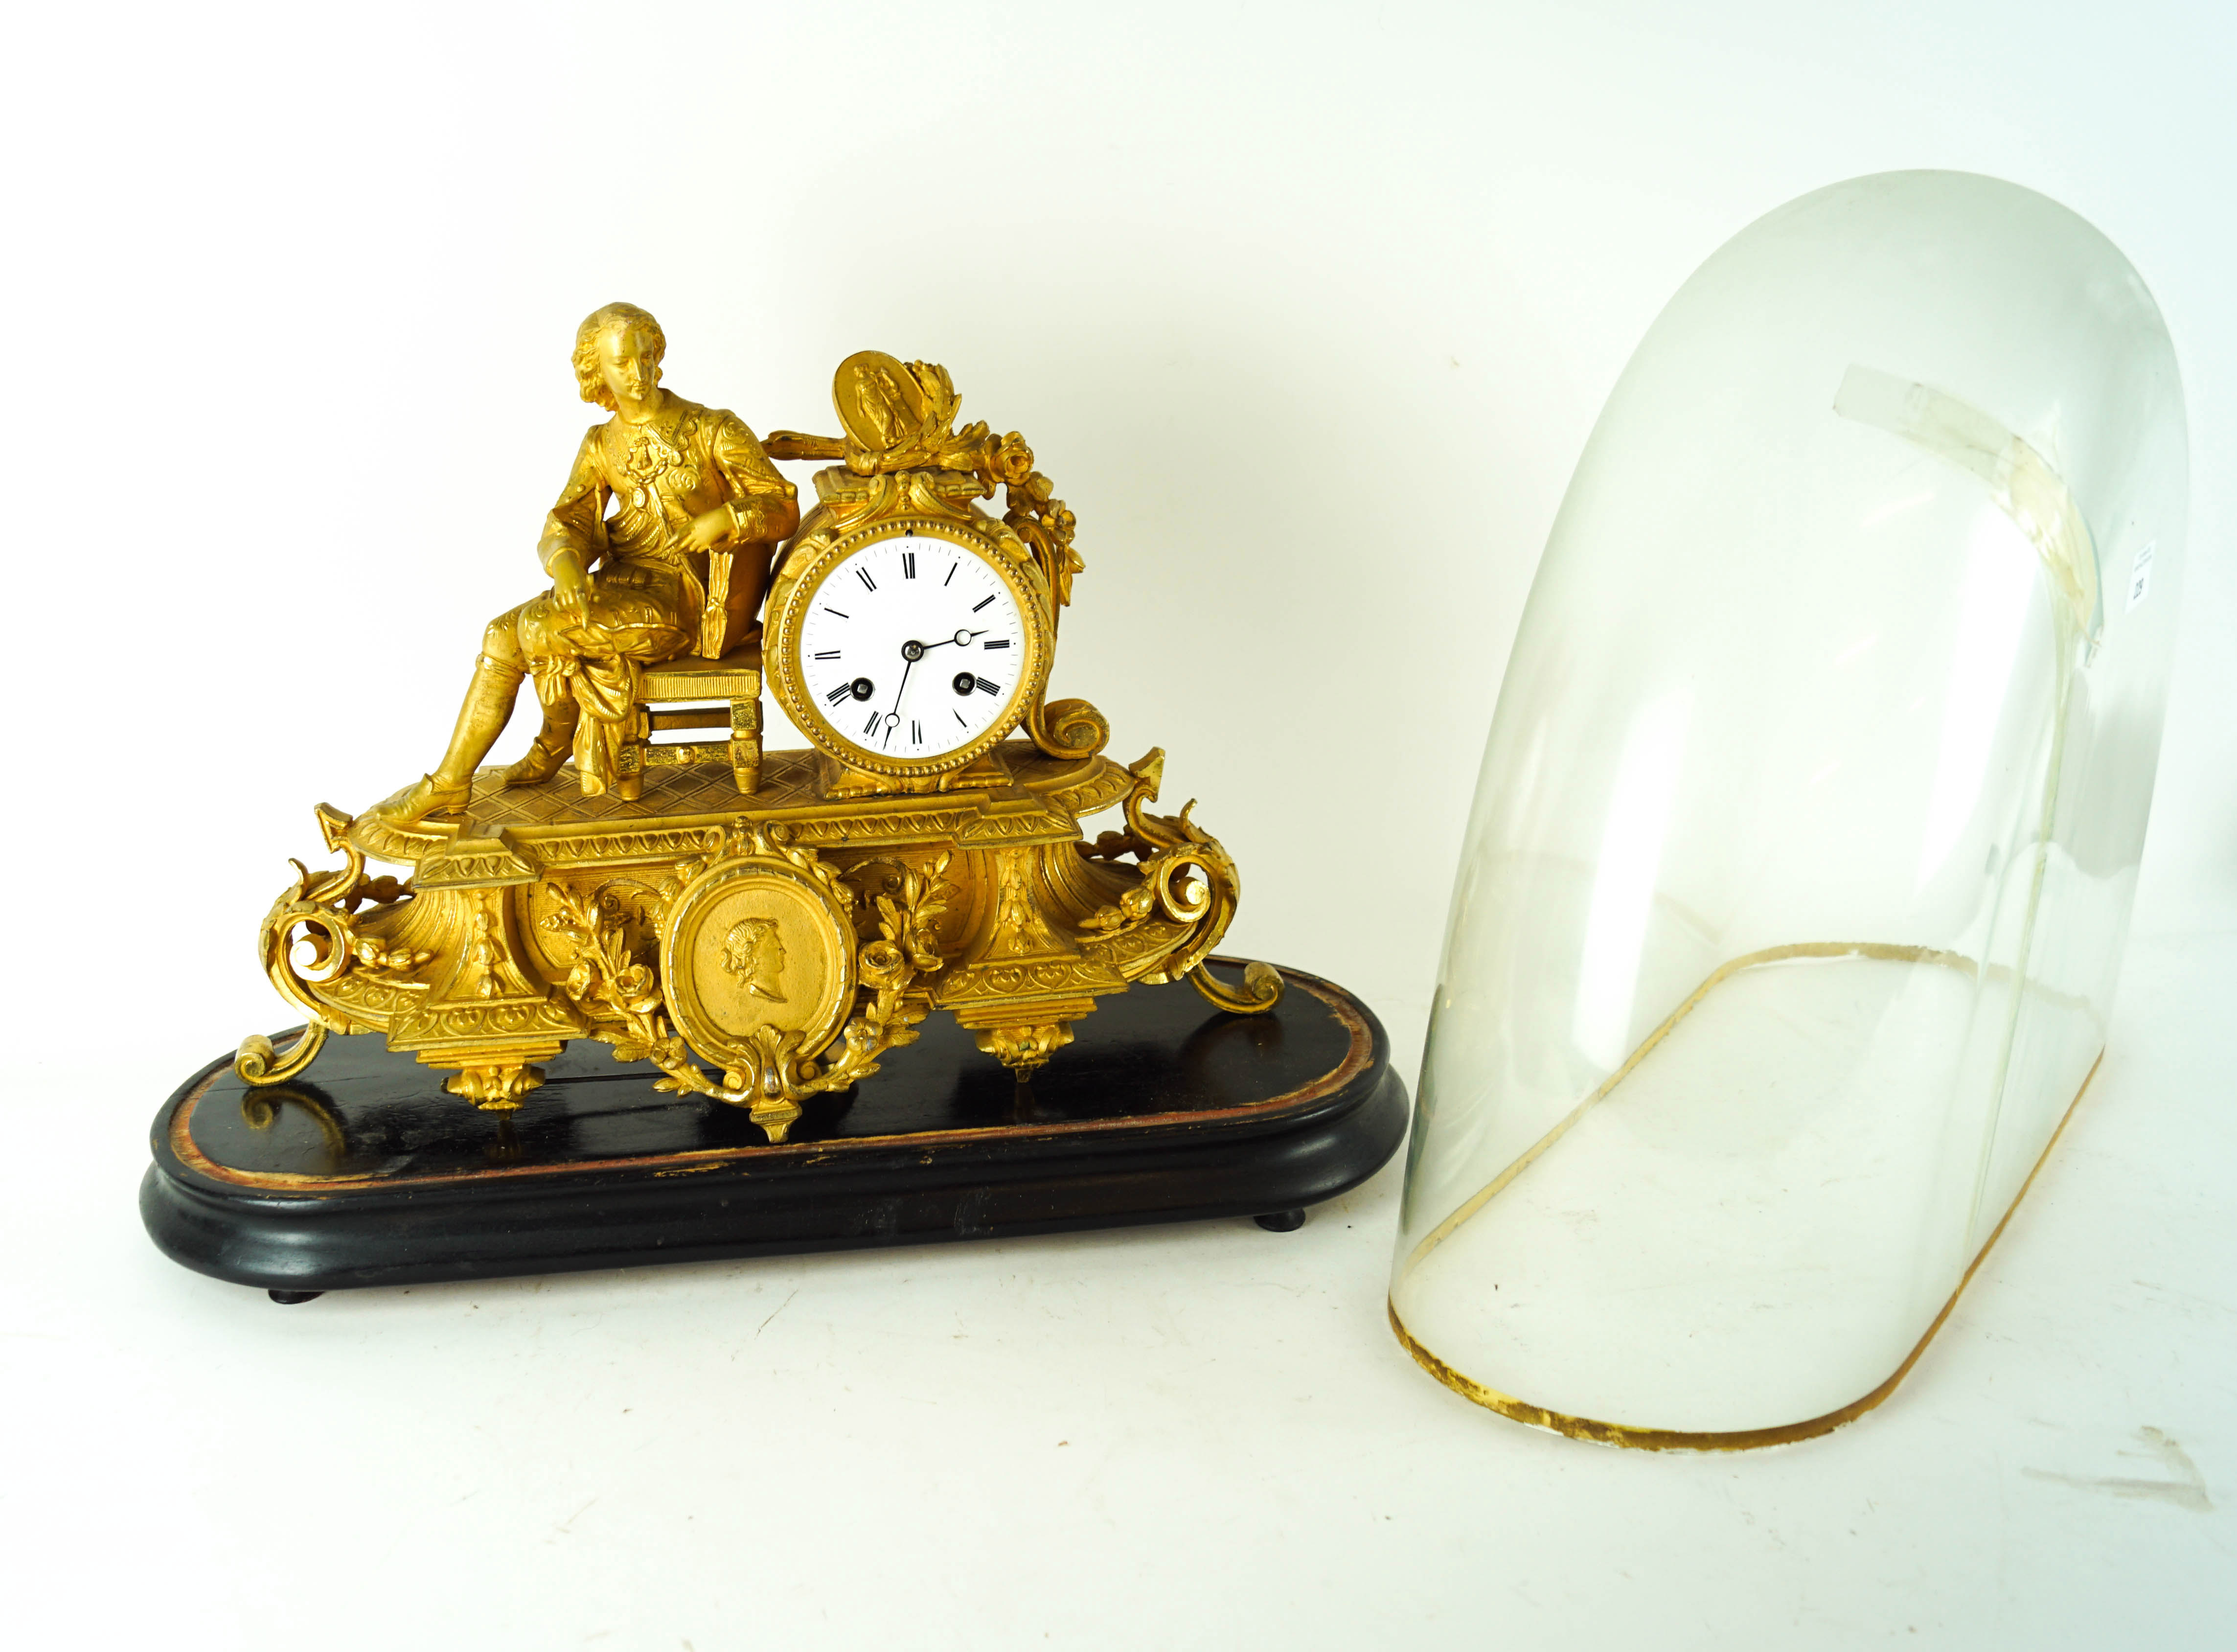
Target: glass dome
<point x="1788" y="918"/>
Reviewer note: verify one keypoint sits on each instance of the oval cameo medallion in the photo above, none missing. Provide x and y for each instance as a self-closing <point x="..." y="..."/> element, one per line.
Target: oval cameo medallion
<point x="755" y="942"/>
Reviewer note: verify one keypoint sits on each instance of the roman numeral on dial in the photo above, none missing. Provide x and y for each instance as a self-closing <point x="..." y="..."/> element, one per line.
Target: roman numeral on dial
<point x="863" y="574"/>
<point x="998" y="642"/>
<point x="908" y="565"/>
<point x="839" y="693"/>
<point x="984" y="687"/>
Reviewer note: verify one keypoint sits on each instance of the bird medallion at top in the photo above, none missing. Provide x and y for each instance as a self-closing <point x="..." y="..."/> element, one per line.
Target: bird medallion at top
<point x="762" y="931"/>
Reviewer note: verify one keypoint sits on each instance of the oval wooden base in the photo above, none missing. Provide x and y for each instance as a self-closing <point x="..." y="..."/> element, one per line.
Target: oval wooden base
<point x="363" y="1172"/>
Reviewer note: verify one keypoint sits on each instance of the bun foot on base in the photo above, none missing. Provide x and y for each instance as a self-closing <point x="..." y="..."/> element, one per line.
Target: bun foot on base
<point x="1281" y="1221"/>
<point x="289" y="1299"/>
<point x="1024" y="1050"/>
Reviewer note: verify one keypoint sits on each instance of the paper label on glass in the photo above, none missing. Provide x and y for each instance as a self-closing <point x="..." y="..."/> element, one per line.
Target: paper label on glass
<point x="2140" y="574"/>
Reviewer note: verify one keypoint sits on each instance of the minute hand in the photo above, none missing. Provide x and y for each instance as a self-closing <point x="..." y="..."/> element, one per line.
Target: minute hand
<point x="959" y="637"/>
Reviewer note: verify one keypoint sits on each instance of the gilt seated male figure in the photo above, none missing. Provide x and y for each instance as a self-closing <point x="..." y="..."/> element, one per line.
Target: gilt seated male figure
<point x="629" y="589"/>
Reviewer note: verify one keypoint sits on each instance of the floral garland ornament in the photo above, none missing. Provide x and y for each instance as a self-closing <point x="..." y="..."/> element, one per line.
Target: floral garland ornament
<point x="770" y="1069"/>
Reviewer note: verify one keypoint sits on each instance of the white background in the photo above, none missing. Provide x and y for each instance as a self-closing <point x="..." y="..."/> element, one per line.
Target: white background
<point x="1308" y="311"/>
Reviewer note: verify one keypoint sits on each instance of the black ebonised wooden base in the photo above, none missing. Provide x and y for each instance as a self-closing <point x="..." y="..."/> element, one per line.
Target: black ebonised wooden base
<point x="365" y="1172"/>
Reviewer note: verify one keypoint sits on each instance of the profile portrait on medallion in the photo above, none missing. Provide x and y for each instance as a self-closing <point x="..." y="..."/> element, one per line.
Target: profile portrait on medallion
<point x="753" y="943"/>
<point x="753" y="952"/>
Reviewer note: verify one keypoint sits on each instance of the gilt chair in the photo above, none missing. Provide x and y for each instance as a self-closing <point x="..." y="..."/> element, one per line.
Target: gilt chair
<point x="725" y="666"/>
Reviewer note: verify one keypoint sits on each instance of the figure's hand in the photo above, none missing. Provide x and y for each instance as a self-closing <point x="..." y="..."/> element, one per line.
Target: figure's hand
<point x="571" y="588"/>
<point x="708" y="529"/>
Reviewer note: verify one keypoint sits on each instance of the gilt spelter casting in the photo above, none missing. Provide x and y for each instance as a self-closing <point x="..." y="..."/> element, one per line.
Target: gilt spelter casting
<point x="760" y="927"/>
<point x="680" y="481"/>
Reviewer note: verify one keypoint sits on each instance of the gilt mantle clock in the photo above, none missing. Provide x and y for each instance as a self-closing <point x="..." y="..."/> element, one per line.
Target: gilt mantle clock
<point x="754" y="935"/>
<point x="925" y="855"/>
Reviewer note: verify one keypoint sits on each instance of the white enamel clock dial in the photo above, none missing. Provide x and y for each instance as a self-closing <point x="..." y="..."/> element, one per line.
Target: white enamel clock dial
<point x="913" y="646"/>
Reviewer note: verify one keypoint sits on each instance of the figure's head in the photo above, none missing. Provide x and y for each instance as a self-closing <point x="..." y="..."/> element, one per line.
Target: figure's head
<point x="617" y="351"/>
<point x="754" y="954"/>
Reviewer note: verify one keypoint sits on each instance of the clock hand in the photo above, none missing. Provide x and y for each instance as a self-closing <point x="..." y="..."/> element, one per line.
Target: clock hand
<point x="912" y="651"/>
<point x="908" y="665"/>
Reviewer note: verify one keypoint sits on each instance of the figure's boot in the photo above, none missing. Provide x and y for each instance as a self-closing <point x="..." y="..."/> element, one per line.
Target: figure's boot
<point x="481" y="719"/>
<point x="554" y="743"/>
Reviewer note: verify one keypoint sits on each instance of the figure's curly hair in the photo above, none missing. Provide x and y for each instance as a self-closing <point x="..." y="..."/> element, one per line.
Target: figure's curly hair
<point x="587" y="378"/>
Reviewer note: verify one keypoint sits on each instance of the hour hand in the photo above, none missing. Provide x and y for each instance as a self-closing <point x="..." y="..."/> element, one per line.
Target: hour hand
<point x="960" y="637"/>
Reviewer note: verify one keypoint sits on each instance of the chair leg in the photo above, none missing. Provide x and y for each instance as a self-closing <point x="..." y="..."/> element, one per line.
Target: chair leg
<point x="746" y="745"/>
<point x="629" y="760"/>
